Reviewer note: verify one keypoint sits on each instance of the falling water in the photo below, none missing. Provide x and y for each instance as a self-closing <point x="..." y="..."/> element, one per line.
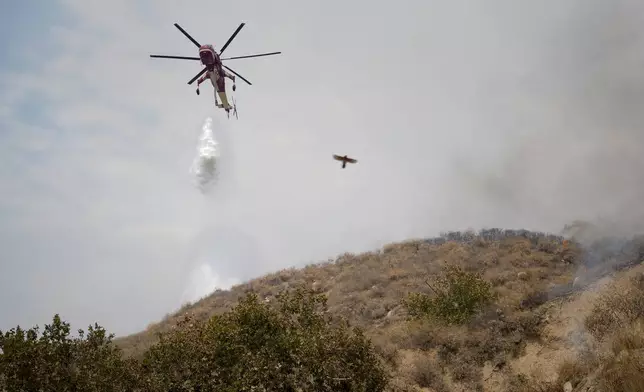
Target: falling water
<point x="204" y="167"/>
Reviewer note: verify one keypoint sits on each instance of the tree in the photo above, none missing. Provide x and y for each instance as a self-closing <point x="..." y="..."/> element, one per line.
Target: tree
<point x="292" y="346"/>
<point x="56" y="362"/>
<point x="255" y="346"/>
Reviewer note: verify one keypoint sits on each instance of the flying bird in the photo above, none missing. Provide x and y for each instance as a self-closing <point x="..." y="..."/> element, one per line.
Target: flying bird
<point x="344" y="159"/>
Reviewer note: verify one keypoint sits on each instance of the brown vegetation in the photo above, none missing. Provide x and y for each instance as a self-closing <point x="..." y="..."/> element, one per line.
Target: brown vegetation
<point x="613" y="358"/>
<point x="465" y="311"/>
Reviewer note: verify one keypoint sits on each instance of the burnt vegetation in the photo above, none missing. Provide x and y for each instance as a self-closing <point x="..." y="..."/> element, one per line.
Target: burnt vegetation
<point x="441" y="313"/>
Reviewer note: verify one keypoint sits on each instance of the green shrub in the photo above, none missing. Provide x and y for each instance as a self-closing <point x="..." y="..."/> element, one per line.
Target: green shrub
<point x="261" y="348"/>
<point x="56" y="362"/>
<point x="458" y="295"/>
<point x="255" y="346"/>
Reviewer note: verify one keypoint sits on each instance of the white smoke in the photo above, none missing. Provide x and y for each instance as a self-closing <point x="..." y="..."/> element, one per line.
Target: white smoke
<point x="204" y="281"/>
<point x="204" y="167"/>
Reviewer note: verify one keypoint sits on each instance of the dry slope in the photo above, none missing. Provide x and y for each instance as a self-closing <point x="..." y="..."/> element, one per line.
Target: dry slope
<point x="544" y="314"/>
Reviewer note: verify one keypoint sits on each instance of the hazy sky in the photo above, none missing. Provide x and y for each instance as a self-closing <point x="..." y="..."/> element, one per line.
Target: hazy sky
<point x="461" y="114"/>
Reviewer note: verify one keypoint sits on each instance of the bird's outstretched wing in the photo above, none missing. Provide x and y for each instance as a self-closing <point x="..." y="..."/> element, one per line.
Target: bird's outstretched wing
<point x="338" y="157"/>
<point x="351" y="160"/>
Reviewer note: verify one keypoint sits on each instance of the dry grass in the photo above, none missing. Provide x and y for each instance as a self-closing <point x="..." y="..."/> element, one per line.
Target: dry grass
<point x="426" y="373"/>
<point x="617" y="362"/>
<point x="618" y="320"/>
<point x="618" y="308"/>
<point x="526" y="270"/>
<point x="574" y="372"/>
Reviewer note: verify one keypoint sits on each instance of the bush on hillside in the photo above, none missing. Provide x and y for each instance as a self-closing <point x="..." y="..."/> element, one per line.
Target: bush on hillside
<point x="255" y="346"/>
<point x="55" y="361"/>
<point x="458" y="295"/>
<point x="259" y="347"/>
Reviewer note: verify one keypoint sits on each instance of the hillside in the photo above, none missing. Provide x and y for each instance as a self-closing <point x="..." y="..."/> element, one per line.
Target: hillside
<point x="562" y="312"/>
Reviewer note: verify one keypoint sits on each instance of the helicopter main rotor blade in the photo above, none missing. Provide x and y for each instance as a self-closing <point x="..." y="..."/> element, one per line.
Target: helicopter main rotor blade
<point x="231" y="38"/>
<point x="241" y="77"/>
<point x="251" y="55"/>
<point x="158" y="56"/>
<point x="197" y="75"/>
<point x="187" y="35"/>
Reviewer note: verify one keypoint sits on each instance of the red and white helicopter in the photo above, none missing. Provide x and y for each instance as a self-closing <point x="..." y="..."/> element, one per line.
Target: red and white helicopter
<point x="214" y="68"/>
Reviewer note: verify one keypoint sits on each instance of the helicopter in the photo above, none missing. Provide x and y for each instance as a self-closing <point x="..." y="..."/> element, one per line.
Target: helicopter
<point x="213" y="66"/>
